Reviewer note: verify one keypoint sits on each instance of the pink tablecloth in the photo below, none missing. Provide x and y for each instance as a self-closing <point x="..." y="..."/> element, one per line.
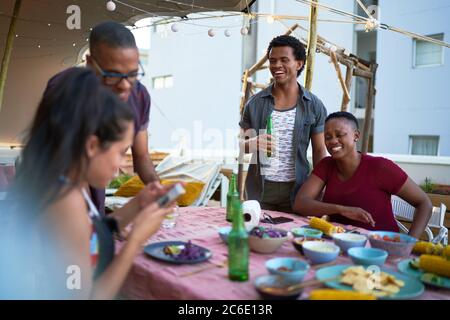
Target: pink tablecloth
<point x="153" y="279"/>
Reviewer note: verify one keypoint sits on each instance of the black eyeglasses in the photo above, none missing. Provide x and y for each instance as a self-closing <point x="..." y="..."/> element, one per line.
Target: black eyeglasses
<point x="114" y="78"/>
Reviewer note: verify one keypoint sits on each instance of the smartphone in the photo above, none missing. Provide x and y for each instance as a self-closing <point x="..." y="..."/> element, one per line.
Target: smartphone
<point x="276" y="220"/>
<point x="279" y="220"/>
<point x="172" y="195"/>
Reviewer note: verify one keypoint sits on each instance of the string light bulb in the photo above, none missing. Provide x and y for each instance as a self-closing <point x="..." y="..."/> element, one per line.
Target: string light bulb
<point x="211" y="33"/>
<point x="227" y="33"/>
<point x="244" y="31"/>
<point x="110" y="6"/>
<point x="270" y="19"/>
<point x="174" y="27"/>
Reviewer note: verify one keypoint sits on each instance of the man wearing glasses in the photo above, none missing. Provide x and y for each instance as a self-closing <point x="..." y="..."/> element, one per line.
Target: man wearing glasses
<point x="114" y="56"/>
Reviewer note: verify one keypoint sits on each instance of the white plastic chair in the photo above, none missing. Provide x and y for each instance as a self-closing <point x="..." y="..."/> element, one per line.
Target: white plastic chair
<point x="404" y="211"/>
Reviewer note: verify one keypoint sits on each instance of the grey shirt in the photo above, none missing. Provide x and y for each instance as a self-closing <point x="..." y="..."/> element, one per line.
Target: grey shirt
<point x="309" y="120"/>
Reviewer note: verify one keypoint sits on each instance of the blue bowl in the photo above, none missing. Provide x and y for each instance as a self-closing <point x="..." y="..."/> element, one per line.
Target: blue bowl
<point x="402" y="248"/>
<point x="223" y="233"/>
<point x="272" y="280"/>
<point x="346" y="241"/>
<point x="307" y="232"/>
<point x="320" y="252"/>
<point x="368" y="256"/>
<point x="294" y="268"/>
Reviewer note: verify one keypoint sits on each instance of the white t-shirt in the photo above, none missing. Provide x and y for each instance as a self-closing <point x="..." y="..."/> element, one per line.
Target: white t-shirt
<point x="281" y="166"/>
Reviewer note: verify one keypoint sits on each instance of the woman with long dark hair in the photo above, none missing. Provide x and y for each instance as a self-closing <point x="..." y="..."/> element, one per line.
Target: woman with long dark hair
<point x="79" y="138"/>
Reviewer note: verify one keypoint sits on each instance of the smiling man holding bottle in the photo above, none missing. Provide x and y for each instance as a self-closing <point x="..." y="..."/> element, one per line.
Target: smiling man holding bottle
<point x="277" y="125"/>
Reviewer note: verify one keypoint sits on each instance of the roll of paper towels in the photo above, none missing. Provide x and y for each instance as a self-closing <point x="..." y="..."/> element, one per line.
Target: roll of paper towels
<point x="252" y="214"/>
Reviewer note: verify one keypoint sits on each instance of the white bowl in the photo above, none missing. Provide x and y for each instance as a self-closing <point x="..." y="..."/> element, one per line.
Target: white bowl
<point x="320" y="252"/>
<point x="346" y="241"/>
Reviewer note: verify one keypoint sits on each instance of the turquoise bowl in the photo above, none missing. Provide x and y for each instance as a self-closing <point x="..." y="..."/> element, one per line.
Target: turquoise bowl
<point x="307" y="232"/>
<point x="368" y="256"/>
<point x="293" y="269"/>
<point x="320" y="252"/>
<point x="271" y="280"/>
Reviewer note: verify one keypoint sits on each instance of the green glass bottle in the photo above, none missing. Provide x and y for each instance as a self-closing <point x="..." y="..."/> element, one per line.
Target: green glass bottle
<point x="269" y="132"/>
<point x="232" y="194"/>
<point x="238" y="248"/>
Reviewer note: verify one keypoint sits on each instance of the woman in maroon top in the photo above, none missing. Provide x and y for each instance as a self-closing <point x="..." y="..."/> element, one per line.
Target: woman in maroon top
<point x="358" y="186"/>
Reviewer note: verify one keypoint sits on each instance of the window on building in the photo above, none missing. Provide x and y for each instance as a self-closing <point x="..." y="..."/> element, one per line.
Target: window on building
<point x="163" y="82"/>
<point x="427" y="54"/>
<point x="424" y="145"/>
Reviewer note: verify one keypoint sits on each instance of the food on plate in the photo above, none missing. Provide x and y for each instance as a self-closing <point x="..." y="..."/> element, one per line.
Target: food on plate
<point x="395" y="238"/>
<point x="368" y="281"/>
<point x="325" y="226"/>
<point x="184" y="252"/>
<point x="446" y="252"/>
<point x="435" y="264"/>
<point x="333" y="294"/>
<point x="432" y="278"/>
<point x="425" y="247"/>
<point x="284" y="269"/>
<point x="414" y="264"/>
<point x="264" y="233"/>
<point x="300" y="240"/>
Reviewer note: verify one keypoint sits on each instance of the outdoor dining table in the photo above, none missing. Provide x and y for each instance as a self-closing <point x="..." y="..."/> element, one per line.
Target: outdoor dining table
<point x="154" y="279"/>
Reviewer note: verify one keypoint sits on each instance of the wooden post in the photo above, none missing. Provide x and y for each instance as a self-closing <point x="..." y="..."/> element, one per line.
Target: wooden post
<point x="339" y="74"/>
<point x="246" y="89"/>
<point x="348" y="84"/>
<point x="8" y="49"/>
<point x="312" y="44"/>
<point x="369" y="109"/>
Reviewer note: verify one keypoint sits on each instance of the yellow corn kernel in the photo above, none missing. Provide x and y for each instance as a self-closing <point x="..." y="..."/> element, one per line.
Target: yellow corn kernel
<point x="322" y="225"/>
<point x="435" y="264"/>
<point x="438" y="248"/>
<point x="423" y="247"/>
<point x="332" y="294"/>
<point x="446" y="252"/>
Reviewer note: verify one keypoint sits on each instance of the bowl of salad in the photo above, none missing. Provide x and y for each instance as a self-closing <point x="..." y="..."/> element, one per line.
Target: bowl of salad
<point x="266" y="240"/>
<point x="396" y="244"/>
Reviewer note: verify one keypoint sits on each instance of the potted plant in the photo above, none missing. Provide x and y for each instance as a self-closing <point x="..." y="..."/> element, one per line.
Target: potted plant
<point x="438" y="193"/>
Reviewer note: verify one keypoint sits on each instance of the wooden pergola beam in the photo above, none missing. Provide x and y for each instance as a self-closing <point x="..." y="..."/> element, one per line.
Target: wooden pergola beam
<point x="339" y="74"/>
<point x="369" y="109"/>
<point x="8" y="49"/>
<point x="311" y="49"/>
<point x="348" y="84"/>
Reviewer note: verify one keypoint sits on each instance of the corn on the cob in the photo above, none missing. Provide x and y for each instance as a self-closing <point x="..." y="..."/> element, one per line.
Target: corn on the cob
<point x="438" y="249"/>
<point x="435" y="264"/>
<point x="322" y="225"/>
<point x="332" y="294"/>
<point x="423" y="247"/>
<point x="446" y="252"/>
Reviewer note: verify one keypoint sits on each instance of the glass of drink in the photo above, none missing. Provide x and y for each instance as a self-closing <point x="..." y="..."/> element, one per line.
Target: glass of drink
<point x="170" y="220"/>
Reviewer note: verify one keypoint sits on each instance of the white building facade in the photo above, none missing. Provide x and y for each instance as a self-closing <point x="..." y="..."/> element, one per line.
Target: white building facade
<point x="194" y="79"/>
